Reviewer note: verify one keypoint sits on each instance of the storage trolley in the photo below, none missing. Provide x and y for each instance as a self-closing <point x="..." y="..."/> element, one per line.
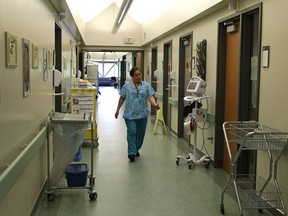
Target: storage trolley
<point x="254" y="192"/>
<point x="68" y="134"/>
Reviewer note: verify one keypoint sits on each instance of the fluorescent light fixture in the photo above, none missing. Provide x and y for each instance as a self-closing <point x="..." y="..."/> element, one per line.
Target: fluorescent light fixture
<point x="121" y="15"/>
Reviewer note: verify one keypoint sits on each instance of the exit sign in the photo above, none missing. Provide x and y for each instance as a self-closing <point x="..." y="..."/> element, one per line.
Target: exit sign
<point x="128" y="40"/>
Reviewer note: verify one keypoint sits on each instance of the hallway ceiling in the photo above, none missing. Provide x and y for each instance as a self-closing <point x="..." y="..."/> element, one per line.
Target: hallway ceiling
<point x="140" y="10"/>
<point x="143" y="12"/>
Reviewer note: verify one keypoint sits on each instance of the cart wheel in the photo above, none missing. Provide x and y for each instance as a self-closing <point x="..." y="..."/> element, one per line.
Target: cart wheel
<point x="96" y="144"/>
<point x="222" y="210"/>
<point x="207" y="164"/>
<point x="260" y="211"/>
<point x="51" y="197"/>
<point x="93" y="196"/>
<point x="177" y="161"/>
<point x="189" y="165"/>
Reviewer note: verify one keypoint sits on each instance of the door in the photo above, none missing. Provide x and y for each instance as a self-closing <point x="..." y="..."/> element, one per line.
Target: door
<point x="237" y="83"/>
<point x="188" y="70"/>
<point x="232" y="83"/>
<point x="167" y="89"/>
<point x="185" y="57"/>
<point x="139" y="62"/>
<point x="249" y="81"/>
<point x="153" y="77"/>
<point x="122" y="71"/>
<point x="58" y="66"/>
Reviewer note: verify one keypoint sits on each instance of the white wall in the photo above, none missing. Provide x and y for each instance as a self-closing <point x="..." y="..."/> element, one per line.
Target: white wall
<point x="80" y="22"/>
<point x="98" y="30"/>
<point x="205" y="28"/>
<point x="21" y="118"/>
<point x="183" y="11"/>
<point x="273" y="80"/>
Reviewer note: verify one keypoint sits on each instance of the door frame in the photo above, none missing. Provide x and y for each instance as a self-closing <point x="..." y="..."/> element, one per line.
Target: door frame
<point x="154" y="66"/>
<point x="220" y="78"/>
<point x="182" y="88"/>
<point x="58" y="65"/>
<point x="166" y="47"/>
<point x="245" y="61"/>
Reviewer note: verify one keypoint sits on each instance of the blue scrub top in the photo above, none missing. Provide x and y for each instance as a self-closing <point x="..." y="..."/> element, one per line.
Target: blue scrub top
<point x="136" y="99"/>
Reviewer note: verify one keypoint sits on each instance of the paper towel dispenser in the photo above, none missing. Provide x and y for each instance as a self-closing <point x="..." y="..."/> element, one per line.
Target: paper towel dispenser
<point x="57" y="77"/>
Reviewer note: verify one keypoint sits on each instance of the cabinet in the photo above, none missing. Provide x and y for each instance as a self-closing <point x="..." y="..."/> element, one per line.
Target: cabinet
<point x="83" y="101"/>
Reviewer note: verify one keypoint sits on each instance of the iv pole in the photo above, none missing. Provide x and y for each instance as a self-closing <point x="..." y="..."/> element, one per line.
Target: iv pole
<point x="195" y="97"/>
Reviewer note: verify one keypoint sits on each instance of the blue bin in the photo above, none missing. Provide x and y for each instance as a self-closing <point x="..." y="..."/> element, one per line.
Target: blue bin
<point x="76" y="175"/>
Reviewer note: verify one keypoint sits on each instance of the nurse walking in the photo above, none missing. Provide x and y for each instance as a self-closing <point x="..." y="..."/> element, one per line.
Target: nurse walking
<point x="136" y="93"/>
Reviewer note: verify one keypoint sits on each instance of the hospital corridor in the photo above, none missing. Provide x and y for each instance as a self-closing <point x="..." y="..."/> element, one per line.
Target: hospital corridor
<point x="153" y="185"/>
<point x="79" y="80"/>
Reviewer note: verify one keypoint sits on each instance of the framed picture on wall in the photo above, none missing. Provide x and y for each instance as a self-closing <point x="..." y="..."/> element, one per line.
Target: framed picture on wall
<point x="50" y="59"/>
<point x="45" y="64"/>
<point x="11" y="50"/>
<point x="26" y="67"/>
<point x="35" y="56"/>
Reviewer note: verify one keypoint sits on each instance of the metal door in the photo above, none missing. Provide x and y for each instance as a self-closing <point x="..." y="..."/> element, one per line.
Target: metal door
<point x="185" y="73"/>
<point x="167" y="66"/>
<point x="153" y="77"/>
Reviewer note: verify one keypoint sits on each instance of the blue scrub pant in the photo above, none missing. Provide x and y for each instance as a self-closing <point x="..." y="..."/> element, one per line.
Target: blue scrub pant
<point x="135" y="134"/>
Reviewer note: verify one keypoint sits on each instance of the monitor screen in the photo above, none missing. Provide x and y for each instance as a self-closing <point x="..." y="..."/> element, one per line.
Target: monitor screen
<point x="192" y="85"/>
<point x="196" y="86"/>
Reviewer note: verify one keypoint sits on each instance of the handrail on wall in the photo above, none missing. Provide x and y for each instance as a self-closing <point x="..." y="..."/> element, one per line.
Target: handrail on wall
<point x="15" y="169"/>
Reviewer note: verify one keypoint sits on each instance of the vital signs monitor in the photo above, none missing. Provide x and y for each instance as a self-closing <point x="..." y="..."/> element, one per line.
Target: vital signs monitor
<point x="196" y="86"/>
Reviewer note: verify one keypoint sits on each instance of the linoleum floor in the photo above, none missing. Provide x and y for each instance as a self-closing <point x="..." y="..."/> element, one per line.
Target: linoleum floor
<point x="151" y="186"/>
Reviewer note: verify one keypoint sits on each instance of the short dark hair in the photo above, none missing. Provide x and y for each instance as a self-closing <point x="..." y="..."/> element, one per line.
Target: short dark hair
<point x="133" y="70"/>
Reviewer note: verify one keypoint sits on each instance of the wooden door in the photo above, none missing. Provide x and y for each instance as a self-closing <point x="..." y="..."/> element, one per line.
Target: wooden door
<point x="231" y="87"/>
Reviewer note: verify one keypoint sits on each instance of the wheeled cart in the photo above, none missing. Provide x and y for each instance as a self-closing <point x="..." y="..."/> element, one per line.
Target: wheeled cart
<point x="197" y="115"/>
<point x="196" y="89"/>
<point x="252" y="191"/>
<point x="68" y="134"/>
<point x="83" y="100"/>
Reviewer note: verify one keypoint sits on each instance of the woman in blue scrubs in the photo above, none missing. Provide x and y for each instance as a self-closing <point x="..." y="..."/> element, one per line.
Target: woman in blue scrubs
<point x="136" y="93"/>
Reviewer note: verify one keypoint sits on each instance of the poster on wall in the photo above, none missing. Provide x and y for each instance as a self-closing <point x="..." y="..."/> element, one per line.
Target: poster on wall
<point x="26" y="67"/>
<point x="45" y="64"/>
<point x="50" y="59"/>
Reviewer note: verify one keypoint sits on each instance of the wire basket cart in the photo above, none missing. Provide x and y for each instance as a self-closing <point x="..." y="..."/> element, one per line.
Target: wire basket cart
<point x="252" y="191"/>
<point x="68" y="134"/>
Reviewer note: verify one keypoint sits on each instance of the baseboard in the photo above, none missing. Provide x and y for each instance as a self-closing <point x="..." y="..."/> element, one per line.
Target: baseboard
<point x="33" y="212"/>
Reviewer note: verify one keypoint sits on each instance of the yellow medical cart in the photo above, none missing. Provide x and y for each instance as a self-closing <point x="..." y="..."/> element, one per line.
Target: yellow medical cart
<point x="83" y="101"/>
